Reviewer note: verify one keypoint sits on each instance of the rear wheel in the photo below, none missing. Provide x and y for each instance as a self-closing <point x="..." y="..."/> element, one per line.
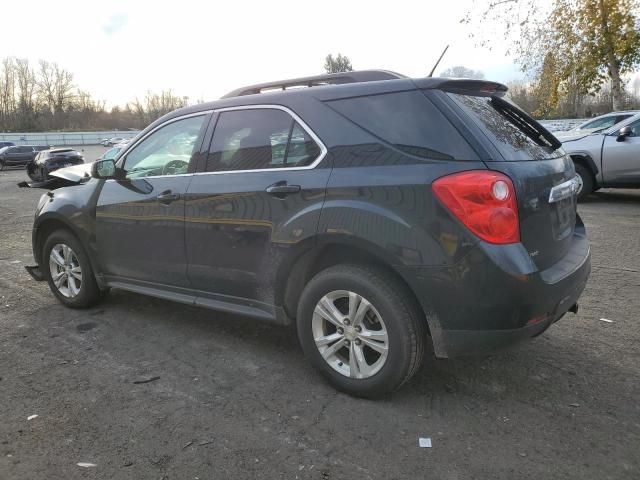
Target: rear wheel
<point x="358" y="326"/>
<point x="1" y="165"/>
<point x="586" y="181"/>
<point x="68" y="271"/>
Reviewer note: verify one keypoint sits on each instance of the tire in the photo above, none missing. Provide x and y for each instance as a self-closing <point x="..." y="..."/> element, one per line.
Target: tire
<point x="1" y="165"/>
<point x="587" y="181"/>
<point x="389" y="311"/>
<point x="73" y="292"/>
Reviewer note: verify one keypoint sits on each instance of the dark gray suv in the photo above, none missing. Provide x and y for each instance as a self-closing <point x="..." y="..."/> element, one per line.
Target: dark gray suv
<point x="375" y="212"/>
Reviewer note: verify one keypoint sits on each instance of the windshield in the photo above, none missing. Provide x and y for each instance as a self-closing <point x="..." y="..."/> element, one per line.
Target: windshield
<point x="602" y="123"/>
<point x="3" y="149"/>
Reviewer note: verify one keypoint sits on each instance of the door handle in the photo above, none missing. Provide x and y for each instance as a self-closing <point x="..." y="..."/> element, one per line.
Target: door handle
<point x="282" y="189"/>
<point x="167" y="197"/>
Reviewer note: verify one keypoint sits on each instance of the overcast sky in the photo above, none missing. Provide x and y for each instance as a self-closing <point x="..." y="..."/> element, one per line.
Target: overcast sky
<point x="118" y="50"/>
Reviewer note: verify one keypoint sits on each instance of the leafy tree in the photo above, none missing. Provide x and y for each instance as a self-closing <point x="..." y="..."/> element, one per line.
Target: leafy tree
<point x="546" y="89"/>
<point x="340" y="63"/>
<point x="592" y="40"/>
<point x="462" y="72"/>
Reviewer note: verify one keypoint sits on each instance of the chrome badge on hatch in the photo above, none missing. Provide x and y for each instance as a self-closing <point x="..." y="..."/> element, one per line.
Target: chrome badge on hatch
<point x="565" y="190"/>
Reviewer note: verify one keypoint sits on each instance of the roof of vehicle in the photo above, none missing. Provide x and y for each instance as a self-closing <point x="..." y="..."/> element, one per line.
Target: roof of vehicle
<point x="334" y="85"/>
<point x="62" y="150"/>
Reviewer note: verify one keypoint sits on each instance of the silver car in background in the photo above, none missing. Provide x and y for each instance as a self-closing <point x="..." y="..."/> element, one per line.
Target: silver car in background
<point x="608" y="156"/>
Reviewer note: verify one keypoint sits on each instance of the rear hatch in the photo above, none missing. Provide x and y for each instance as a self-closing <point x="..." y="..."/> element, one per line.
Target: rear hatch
<point x="532" y="157"/>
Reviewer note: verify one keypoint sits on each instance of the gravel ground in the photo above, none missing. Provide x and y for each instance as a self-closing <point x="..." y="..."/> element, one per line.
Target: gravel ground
<point x="228" y="397"/>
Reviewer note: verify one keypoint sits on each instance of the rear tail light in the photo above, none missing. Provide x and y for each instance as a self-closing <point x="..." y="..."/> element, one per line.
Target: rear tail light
<point x="484" y="201"/>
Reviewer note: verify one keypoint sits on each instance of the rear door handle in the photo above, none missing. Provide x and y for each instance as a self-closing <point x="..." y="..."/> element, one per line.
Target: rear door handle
<point x="167" y="197"/>
<point x="281" y="189"/>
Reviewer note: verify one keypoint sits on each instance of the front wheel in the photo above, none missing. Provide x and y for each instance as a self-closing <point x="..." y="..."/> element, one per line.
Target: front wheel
<point x="68" y="271"/>
<point x="359" y="327"/>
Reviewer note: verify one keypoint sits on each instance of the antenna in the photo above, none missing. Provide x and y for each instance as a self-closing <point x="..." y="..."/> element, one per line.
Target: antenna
<point x="436" y="65"/>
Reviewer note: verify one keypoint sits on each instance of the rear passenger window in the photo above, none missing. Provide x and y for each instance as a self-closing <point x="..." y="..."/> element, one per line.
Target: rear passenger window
<point x="256" y="139"/>
<point x="409" y="122"/>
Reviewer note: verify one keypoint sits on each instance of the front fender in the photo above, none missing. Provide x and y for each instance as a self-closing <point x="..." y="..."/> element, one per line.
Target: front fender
<point x="69" y="207"/>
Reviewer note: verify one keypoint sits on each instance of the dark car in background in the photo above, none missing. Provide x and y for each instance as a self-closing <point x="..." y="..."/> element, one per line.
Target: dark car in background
<point x="374" y="211"/>
<point x="51" y="160"/>
<point x="5" y="143"/>
<point x="19" y="155"/>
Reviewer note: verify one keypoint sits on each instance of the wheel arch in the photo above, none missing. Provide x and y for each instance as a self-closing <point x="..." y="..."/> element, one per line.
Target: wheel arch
<point x="49" y="224"/>
<point x="294" y="275"/>
<point x="584" y="159"/>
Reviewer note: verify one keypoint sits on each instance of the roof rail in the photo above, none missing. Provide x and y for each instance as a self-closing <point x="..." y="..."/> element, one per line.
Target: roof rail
<point x="316" y="80"/>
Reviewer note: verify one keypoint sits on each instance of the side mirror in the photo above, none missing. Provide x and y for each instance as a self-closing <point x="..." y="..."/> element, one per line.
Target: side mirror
<point x="104" y="169"/>
<point x="623" y="134"/>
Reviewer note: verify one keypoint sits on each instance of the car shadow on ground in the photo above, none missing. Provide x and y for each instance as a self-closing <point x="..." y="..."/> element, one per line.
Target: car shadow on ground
<point x="611" y="195"/>
<point x="198" y="336"/>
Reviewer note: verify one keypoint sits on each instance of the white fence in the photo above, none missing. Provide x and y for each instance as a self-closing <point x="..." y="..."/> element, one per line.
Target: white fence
<point x="64" y="138"/>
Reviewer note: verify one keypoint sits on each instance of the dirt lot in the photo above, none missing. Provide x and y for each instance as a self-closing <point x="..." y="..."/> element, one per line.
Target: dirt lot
<point x="235" y="398"/>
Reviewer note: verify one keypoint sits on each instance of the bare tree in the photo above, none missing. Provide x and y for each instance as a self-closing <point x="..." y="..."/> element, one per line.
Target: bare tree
<point x="460" y="71"/>
<point x="27" y="84"/>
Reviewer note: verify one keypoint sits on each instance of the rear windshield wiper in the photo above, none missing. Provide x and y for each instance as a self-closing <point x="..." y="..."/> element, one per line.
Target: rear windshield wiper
<point x="530" y="127"/>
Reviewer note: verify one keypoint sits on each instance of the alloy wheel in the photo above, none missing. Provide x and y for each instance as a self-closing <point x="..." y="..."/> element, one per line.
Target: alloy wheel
<point x="350" y="334"/>
<point x="65" y="270"/>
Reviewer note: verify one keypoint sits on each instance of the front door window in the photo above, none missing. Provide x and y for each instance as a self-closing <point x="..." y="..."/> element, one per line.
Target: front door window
<point x="167" y="151"/>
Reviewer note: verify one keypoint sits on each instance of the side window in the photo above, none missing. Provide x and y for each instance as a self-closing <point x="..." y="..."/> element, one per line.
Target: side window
<point x="25" y="149"/>
<point x="259" y="138"/>
<point x="635" y="128"/>
<point x="409" y="122"/>
<point x="110" y="154"/>
<point x="302" y="149"/>
<point x="167" y="151"/>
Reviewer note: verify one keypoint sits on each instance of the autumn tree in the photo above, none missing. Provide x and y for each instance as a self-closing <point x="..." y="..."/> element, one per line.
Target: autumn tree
<point x="460" y="71"/>
<point x="593" y="40"/>
<point x="547" y="87"/>
<point x="337" y="64"/>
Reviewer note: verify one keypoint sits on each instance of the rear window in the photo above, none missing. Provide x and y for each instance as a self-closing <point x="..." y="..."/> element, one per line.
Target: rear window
<point x="513" y="142"/>
<point x="409" y="122"/>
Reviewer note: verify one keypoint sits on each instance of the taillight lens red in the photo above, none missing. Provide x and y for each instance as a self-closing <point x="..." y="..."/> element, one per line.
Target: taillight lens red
<point x="484" y="201"/>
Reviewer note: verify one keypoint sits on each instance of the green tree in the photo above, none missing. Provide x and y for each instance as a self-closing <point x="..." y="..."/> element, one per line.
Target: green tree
<point x="547" y="87"/>
<point x="592" y="40"/>
<point x="340" y="63"/>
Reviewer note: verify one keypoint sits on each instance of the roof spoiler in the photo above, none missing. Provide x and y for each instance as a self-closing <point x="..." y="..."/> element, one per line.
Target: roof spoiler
<point x="463" y="85"/>
<point x="317" y="80"/>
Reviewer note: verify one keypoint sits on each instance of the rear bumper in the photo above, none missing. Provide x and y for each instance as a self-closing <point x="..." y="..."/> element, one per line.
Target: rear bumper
<point x="495" y="297"/>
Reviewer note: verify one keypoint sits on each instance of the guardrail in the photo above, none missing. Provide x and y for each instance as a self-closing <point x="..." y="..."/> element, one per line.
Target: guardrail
<point x="64" y="138"/>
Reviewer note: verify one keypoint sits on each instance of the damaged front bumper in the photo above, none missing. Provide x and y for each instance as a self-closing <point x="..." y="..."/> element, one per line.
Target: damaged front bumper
<point x="63" y="177"/>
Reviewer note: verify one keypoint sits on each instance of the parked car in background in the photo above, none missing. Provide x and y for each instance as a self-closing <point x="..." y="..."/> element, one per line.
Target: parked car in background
<point x="597" y="124"/>
<point x="108" y="142"/>
<point x="19" y="155"/>
<point x="5" y="143"/>
<point x="377" y="212"/>
<point x="49" y="161"/>
<point x="123" y="143"/>
<point x="609" y="158"/>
